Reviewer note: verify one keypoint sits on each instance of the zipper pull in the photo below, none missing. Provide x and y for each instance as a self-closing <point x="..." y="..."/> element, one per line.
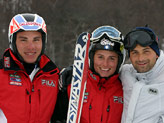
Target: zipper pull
<point x="32" y="87"/>
<point x="30" y="99"/>
<point x="90" y="107"/>
<point x="27" y="92"/>
<point x="108" y="108"/>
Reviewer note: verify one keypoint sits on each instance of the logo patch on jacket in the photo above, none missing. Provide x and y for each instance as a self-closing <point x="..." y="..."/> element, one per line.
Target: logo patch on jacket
<point x="50" y="83"/>
<point x="93" y="76"/>
<point x="86" y="94"/>
<point x="117" y="99"/>
<point x="7" y="62"/>
<point x="15" y="80"/>
<point x="153" y="91"/>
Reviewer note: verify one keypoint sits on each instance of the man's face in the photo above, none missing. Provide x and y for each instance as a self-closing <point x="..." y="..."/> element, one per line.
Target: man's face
<point x="143" y="58"/>
<point x="29" y="45"/>
<point x="105" y="62"/>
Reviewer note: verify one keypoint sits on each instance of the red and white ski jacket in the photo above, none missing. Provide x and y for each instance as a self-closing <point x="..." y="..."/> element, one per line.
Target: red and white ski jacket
<point x="103" y="100"/>
<point x="23" y="100"/>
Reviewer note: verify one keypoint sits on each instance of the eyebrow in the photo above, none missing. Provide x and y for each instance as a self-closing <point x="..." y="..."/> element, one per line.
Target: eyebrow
<point x="22" y="37"/>
<point x="109" y="56"/>
<point x="145" y="48"/>
<point x="27" y="38"/>
<point x="37" y="37"/>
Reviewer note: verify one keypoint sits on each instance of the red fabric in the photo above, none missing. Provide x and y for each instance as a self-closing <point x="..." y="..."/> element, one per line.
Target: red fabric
<point x="19" y="102"/>
<point x="103" y="100"/>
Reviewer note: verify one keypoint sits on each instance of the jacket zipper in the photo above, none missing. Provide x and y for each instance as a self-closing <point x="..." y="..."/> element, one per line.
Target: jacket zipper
<point x="108" y="109"/>
<point x="90" y="107"/>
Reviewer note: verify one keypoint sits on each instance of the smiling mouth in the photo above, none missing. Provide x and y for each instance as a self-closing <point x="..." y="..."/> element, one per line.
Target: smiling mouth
<point x="142" y="64"/>
<point x="30" y="54"/>
<point x="105" y="69"/>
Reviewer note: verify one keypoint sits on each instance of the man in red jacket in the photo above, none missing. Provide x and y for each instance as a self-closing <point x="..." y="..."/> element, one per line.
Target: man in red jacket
<point x="103" y="97"/>
<point x="28" y="78"/>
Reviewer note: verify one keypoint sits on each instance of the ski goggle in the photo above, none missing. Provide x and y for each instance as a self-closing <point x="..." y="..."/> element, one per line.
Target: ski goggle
<point x="111" y="32"/>
<point x="144" y="38"/>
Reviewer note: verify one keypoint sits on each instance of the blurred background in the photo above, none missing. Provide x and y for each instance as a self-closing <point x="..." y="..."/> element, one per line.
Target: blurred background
<point x="66" y="19"/>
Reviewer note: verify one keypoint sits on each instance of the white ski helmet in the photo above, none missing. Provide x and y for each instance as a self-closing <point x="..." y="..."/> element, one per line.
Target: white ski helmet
<point x="107" y="38"/>
<point x="26" y="22"/>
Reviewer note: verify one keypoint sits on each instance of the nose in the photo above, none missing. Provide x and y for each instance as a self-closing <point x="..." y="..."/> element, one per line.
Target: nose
<point x="31" y="45"/>
<point x="105" y="62"/>
<point x="140" y="57"/>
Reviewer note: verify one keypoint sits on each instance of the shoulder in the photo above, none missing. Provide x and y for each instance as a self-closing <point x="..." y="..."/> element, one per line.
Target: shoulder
<point x="127" y="74"/>
<point x="47" y="65"/>
<point x="126" y="67"/>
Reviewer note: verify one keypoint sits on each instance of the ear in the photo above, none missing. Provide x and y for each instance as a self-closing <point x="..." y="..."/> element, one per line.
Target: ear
<point x="157" y="56"/>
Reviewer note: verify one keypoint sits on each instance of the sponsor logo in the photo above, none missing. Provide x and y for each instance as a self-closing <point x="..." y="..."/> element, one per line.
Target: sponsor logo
<point x="44" y="27"/>
<point x="153" y="91"/>
<point x="93" y="76"/>
<point x="86" y="94"/>
<point x="15" y="76"/>
<point x="29" y="24"/>
<point x="15" y="83"/>
<point x="15" y="80"/>
<point x="106" y="42"/>
<point x="14" y="26"/>
<point x="85" y="38"/>
<point x="117" y="99"/>
<point x="78" y="78"/>
<point x="50" y="83"/>
<point x="7" y="62"/>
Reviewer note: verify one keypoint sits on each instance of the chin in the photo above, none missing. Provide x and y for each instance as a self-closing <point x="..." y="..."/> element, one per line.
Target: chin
<point x="30" y="62"/>
<point x="104" y="75"/>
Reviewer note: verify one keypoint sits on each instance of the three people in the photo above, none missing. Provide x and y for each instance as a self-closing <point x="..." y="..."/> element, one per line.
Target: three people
<point x="28" y="78"/>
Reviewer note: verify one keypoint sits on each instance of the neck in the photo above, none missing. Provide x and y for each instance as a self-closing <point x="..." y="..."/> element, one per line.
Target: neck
<point x="29" y="67"/>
